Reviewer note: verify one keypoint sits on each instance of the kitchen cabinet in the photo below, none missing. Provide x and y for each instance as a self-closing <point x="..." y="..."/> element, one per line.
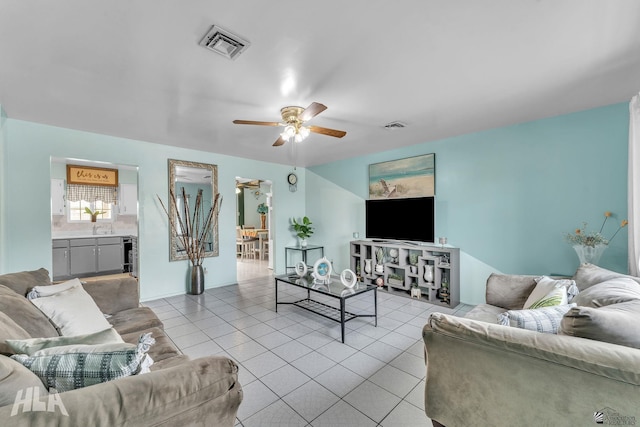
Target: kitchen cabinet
<point x="58" y="201"/>
<point x="128" y="199"/>
<point x="82" y="254"/>
<point x="110" y="254"/>
<point x="87" y="257"/>
<point x="60" y="265"/>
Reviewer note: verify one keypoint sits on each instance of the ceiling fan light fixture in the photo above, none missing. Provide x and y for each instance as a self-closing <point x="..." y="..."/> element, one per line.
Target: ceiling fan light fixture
<point x="304" y="131"/>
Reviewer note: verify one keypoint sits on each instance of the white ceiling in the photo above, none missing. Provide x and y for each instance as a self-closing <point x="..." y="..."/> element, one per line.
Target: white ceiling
<point x="135" y="69"/>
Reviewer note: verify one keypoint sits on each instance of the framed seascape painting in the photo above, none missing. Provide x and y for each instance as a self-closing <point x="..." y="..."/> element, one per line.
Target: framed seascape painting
<point x="403" y="178"/>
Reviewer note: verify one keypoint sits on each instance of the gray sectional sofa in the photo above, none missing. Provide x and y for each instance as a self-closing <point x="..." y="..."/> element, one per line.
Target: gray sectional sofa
<point x="482" y="373"/>
<point x="177" y="391"/>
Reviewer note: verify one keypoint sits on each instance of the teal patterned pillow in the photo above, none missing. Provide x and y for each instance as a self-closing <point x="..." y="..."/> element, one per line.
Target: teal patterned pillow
<point x="546" y="319"/>
<point x="70" y="367"/>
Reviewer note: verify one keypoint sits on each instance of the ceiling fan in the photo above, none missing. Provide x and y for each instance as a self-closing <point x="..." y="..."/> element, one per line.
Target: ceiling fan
<point x="292" y="119"/>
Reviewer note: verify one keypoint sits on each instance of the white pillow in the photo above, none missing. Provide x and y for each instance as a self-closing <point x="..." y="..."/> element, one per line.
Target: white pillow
<point x="72" y="311"/>
<point x="48" y="290"/>
<point x="547" y="293"/>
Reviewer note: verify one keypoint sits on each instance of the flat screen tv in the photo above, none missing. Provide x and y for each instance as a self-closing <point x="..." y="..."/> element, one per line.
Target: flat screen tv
<point x="410" y="219"/>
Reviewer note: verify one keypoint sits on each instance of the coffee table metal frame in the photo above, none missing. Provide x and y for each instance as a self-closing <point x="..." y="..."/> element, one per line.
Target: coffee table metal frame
<point x="340" y="315"/>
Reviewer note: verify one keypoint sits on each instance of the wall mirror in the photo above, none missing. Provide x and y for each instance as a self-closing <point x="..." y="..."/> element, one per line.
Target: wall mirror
<point x="191" y="176"/>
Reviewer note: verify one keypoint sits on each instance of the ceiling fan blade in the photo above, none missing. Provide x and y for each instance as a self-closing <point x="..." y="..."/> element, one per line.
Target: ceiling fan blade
<point x="326" y="131"/>
<point x="311" y="111"/>
<point x="279" y="142"/>
<point x="253" y="122"/>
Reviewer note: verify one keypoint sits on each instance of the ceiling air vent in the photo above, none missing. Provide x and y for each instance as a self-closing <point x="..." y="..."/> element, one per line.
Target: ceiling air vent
<point x="224" y="42"/>
<point x="395" y="125"/>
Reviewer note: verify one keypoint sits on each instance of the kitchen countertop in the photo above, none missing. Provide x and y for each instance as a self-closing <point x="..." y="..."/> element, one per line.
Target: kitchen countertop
<point x="92" y="236"/>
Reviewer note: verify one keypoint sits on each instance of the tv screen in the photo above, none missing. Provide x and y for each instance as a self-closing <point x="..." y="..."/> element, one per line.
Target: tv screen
<point x="401" y="219"/>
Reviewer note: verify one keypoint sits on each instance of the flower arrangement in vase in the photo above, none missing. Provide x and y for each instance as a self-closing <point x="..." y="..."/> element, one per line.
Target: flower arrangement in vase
<point x="589" y="245"/>
<point x="262" y="210"/>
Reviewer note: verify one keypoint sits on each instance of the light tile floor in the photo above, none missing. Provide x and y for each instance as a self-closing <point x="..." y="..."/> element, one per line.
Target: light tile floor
<point x="293" y="368"/>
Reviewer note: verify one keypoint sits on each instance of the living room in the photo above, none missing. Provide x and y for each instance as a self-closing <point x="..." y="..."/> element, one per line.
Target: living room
<point x="507" y="189"/>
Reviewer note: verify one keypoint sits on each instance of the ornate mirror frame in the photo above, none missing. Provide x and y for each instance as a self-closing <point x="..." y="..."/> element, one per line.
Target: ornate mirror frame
<point x="192" y="176"/>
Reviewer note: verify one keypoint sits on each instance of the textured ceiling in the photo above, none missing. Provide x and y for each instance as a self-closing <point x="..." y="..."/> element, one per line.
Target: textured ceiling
<point x="135" y="69"/>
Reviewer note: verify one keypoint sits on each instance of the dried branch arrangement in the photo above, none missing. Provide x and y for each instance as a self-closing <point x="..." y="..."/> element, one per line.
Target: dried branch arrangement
<point x="194" y="228"/>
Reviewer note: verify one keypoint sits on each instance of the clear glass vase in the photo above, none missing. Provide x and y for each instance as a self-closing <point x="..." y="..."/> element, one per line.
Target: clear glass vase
<point x="589" y="254"/>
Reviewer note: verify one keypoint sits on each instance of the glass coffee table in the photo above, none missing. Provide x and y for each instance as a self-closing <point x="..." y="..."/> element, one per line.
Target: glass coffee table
<point x="332" y="290"/>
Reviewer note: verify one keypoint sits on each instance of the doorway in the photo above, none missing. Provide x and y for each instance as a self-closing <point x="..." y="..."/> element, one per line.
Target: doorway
<point x="254" y="230"/>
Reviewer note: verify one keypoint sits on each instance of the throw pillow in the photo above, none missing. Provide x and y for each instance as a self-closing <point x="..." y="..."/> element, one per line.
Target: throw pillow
<point x="30" y="346"/>
<point x="548" y="292"/>
<point x="22" y="281"/>
<point x="612" y="291"/>
<point x="48" y="290"/>
<point x="616" y="323"/>
<point x="25" y="314"/>
<point x="72" y="311"/>
<point x="588" y="275"/>
<point x="71" y="367"/>
<point x="546" y="319"/>
<point x="14" y="377"/>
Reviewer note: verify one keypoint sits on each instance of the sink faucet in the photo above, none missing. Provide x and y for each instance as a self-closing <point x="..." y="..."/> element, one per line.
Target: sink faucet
<point x="95" y="229"/>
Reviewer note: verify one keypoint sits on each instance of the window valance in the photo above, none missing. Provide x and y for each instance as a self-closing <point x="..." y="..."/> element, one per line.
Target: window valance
<point x="91" y="193"/>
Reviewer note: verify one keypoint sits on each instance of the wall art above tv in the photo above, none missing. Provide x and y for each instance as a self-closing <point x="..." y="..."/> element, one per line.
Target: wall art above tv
<point x="404" y="178"/>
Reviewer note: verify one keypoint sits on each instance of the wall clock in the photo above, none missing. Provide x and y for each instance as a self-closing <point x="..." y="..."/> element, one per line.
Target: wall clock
<point x="292" y="179"/>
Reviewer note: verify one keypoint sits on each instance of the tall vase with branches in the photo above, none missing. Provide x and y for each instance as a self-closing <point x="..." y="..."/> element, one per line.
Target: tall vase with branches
<point x="192" y="229"/>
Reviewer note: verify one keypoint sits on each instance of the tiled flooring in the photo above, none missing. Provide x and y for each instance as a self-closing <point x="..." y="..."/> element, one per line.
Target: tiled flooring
<point x="293" y="368"/>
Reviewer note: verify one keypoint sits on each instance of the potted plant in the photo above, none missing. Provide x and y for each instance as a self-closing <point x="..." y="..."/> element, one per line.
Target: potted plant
<point x="194" y="226"/>
<point x="262" y="210"/>
<point x="94" y="214"/>
<point x="303" y="229"/>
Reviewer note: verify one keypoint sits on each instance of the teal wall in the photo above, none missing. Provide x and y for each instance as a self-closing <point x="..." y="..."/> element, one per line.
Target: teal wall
<point x="25" y="193"/>
<point x="504" y="196"/>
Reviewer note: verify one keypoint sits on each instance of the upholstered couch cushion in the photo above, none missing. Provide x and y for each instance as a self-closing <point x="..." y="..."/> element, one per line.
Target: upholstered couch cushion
<point x="508" y="290"/>
<point x="15" y="377"/>
<point x="25" y="314"/>
<point x="163" y="347"/>
<point x="22" y="282"/>
<point x="134" y="320"/>
<point x="615" y="323"/>
<point x="588" y="275"/>
<point x="10" y="330"/>
<point x="612" y="291"/>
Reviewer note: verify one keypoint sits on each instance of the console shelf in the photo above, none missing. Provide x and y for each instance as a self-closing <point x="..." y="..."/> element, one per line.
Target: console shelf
<point x="400" y="274"/>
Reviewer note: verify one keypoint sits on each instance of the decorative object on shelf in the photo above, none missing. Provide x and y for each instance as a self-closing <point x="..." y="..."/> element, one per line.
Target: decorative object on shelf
<point x="356" y="235"/>
<point x="393" y="253"/>
<point x="367" y="266"/>
<point x="589" y="245"/>
<point x="379" y="282"/>
<point x="380" y="260"/>
<point x="442" y="241"/>
<point x="94" y="214"/>
<point x="409" y="177"/>
<point x="322" y="271"/>
<point x="443" y="291"/>
<point x="413" y="262"/>
<point x="195" y="228"/>
<point x="301" y="268"/>
<point x="292" y="179"/>
<point x="395" y="279"/>
<point x="262" y="210"/>
<point x="348" y="278"/>
<point x="416" y="292"/>
<point x="428" y="273"/>
<point x="303" y="229"/>
<point x="444" y="260"/>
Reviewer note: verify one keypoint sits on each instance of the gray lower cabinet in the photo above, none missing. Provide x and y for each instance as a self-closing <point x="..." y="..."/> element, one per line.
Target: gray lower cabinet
<point x="60" y="265"/>
<point x="87" y="256"/>
<point x="110" y="254"/>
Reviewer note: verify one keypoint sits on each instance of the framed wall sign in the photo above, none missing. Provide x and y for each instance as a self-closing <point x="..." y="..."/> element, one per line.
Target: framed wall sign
<point x="87" y="175"/>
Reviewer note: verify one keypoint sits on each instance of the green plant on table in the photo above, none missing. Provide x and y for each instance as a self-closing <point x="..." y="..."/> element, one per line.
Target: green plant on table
<point x="303" y="229"/>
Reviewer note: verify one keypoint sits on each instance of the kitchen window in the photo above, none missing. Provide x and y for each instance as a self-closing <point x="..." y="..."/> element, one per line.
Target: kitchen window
<point x="77" y="211"/>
